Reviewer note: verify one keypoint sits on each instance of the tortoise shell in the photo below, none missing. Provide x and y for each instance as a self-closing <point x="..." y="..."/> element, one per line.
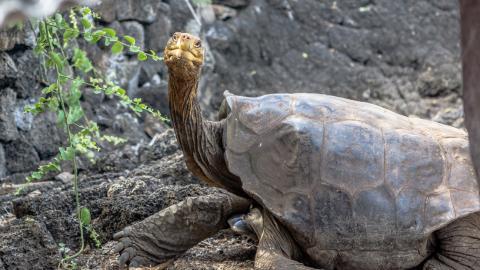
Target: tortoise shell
<point x="347" y="178"/>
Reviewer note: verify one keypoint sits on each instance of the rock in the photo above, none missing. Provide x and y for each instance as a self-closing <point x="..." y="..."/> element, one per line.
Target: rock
<point x="16" y="35"/>
<point x="65" y="177"/>
<point x="23" y="120"/>
<point x="3" y="163"/>
<point x="232" y="3"/>
<point x="155" y="96"/>
<point x="180" y="15"/>
<point x="27" y="244"/>
<point x="8" y="128"/>
<point x="129" y="126"/>
<point x="92" y="98"/>
<point x="163" y="144"/>
<point x="44" y="135"/>
<point x="124" y="72"/>
<point x="441" y="74"/>
<point x="8" y="70"/>
<point x="135" y="30"/>
<point x="452" y="116"/>
<point x="206" y="14"/>
<point x="223" y="12"/>
<point x="158" y="33"/>
<point x="21" y="156"/>
<point x="153" y="127"/>
<point x="149" y="70"/>
<point x="141" y="10"/>
<point x="107" y="10"/>
<point x="348" y="49"/>
<point x="28" y="76"/>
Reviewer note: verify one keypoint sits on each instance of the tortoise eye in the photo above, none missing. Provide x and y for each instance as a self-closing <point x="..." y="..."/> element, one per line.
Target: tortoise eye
<point x="198" y="44"/>
<point x="174" y="37"/>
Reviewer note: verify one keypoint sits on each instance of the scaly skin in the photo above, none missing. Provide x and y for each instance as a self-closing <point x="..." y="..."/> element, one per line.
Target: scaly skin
<point x="170" y="232"/>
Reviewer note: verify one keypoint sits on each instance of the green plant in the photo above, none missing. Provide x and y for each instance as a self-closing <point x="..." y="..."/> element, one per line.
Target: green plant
<point x="72" y="71"/>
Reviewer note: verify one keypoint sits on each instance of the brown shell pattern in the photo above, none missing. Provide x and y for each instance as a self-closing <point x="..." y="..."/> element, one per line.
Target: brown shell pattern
<point x="348" y="175"/>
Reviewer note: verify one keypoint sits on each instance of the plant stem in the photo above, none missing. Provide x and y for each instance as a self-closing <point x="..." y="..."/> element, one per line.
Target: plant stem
<point x="59" y="93"/>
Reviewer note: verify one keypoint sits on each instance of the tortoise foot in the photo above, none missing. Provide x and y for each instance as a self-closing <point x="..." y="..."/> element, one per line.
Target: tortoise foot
<point x="162" y="237"/>
<point x="131" y="252"/>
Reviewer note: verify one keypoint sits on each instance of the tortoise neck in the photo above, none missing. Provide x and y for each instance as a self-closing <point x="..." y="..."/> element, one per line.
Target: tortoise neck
<point x="200" y="140"/>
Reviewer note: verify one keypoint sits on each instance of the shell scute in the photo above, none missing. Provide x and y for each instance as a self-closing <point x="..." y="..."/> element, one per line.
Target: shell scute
<point x="461" y="170"/>
<point x="439" y="210"/>
<point x="262" y="113"/>
<point x="374" y="212"/>
<point x="296" y="210"/>
<point x="410" y="210"/>
<point x="353" y="158"/>
<point x="465" y="202"/>
<point x="288" y="155"/>
<point x="333" y="214"/>
<point x="413" y="160"/>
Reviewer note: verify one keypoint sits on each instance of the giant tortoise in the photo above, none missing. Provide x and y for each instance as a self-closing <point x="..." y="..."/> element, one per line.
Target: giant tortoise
<point x="324" y="182"/>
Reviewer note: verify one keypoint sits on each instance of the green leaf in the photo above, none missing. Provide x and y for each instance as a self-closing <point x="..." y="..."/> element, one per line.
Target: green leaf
<point x="37" y="175"/>
<point x="74" y="114"/>
<point x="97" y="35"/>
<point x="117" y="48"/>
<point x="134" y="49"/>
<point x="86" y="11"/>
<point x="58" y="19"/>
<point x="110" y="32"/>
<point x="53" y="104"/>
<point x="50" y="167"/>
<point x="60" y="117"/>
<point x="86" y="23"/>
<point x="142" y="56"/>
<point x="121" y="92"/>
<point x="113" y="139"/>
<point x="67" y="154"/>
<point x="69" y="34"/>
<point x="130" y="39"/>
<point x="81" y="61"/>
<point x="75" y="93"/>
<point x="88" y="36"/>
<point x="49" y="89"/>
<point x="154" y="55"/>
<point x="57" y="59"/>
<point x="85" y="216"/>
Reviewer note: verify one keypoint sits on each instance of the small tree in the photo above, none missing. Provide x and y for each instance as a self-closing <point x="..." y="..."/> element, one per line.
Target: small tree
<point x="73" y="70"/>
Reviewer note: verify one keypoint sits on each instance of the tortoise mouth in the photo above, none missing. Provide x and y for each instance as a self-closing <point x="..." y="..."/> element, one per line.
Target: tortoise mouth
<point x="182" y="56"/>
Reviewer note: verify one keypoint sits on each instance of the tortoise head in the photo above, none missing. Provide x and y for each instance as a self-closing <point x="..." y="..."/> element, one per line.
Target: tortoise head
<point x="183" y="55"/>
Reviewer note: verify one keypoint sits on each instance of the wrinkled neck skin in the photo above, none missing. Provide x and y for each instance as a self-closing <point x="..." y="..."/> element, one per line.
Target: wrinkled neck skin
<point x="200" y="140"/>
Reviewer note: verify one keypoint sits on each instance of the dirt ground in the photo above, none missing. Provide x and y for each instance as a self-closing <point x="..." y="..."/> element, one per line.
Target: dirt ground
<point x="33" y="226"/>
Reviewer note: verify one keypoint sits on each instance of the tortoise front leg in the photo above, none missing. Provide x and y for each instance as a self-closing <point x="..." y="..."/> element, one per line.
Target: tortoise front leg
<point x="170" y="232"/>
<point x="276" y="248"/>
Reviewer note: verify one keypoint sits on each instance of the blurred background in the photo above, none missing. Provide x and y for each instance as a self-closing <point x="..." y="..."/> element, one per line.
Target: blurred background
<point x="402" y="55"/>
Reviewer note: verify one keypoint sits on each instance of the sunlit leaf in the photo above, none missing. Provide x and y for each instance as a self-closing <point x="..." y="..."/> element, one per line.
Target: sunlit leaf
<point x="74" y="114"/>
<point x="142" y="56"/>
<point x="134" y="49"/>
<point x="130" y="39"/>
<point x="85" y="216"/>
<point x="86" y="23"/>
<point x="67" y="153"/>
<point x="117" y="48"/>
<point x="110" y="32"/>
